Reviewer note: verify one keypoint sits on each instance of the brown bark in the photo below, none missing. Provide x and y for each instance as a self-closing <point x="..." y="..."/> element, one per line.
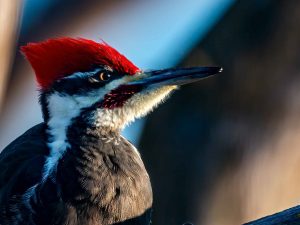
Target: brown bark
<point x="9" y="15"/>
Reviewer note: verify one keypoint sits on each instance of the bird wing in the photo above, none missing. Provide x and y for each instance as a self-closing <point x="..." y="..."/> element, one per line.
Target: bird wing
<point x="21" y="162"/>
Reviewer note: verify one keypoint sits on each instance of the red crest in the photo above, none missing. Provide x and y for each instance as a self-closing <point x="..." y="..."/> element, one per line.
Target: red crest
<point x="60" y="57"/>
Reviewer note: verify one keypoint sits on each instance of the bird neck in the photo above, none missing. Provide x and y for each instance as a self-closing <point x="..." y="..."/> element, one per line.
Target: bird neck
<point x="89" y="128"/>
<point x="63" y="134"/>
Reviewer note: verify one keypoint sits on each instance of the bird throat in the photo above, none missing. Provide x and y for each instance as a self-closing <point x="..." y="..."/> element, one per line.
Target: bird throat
<point x="63" y="133"/>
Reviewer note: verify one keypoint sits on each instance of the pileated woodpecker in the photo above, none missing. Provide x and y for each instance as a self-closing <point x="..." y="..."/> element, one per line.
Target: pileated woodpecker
<point x="75" y="168"/>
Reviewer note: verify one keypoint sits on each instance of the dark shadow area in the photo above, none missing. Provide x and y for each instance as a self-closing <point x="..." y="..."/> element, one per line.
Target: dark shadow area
<point x="140" y="220"/>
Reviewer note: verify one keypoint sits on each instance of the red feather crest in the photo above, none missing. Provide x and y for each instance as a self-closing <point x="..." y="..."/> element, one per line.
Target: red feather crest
<point x="56" y="58"/>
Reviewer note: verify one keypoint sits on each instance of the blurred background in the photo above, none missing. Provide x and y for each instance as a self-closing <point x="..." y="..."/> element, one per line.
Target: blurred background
<point x="222" y="151"/>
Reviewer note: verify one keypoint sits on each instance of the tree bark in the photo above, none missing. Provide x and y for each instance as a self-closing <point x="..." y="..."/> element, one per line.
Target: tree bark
<point x="9" y="18"/>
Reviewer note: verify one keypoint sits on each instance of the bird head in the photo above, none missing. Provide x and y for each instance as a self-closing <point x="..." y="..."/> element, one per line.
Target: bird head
<point x="80" y="77"/>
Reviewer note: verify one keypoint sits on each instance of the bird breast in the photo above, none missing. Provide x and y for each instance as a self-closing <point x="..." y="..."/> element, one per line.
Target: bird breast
<point x="104" y="177"/>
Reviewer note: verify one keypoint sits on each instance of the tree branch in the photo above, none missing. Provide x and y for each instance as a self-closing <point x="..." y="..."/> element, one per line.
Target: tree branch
<point x="287" y="217"/>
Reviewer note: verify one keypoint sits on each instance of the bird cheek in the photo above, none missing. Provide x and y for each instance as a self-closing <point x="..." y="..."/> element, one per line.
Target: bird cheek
<point x="117" y="97"/>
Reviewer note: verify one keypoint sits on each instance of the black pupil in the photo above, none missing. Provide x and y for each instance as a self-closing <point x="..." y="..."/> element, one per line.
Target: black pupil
<point x="105" y="76"/>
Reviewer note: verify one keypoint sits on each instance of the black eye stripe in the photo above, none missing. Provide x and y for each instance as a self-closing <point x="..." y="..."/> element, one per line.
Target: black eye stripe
<point x="86" y="81"/>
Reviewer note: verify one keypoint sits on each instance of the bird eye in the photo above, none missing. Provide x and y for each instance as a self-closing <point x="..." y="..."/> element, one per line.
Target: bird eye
<point x="104" y="76"/>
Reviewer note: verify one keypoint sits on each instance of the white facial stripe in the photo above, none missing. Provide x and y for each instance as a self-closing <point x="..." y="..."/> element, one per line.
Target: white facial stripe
<point x="64" y="108"/>
<point x="83" y="74"/>
<point x="61" y="109"/>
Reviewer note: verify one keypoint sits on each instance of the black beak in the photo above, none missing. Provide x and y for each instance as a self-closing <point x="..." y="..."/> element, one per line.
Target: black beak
<point x="176" y="76"/>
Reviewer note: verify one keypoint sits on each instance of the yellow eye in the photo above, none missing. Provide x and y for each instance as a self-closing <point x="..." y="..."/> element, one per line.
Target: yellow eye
<point x="104" y="76"/>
